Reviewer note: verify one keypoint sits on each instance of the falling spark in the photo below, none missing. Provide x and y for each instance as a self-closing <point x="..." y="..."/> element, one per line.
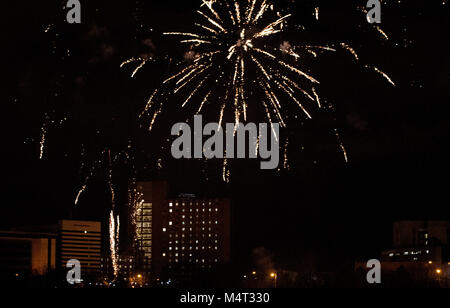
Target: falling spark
<point x="226" y="172"/>
<point x="341" y="144"/>
<point x="286" y="158"/>
<point x="138" y="68"/>
<point x="351" y="50"/>
<point x="317" y="97"/>
<point x="82" y="190"/>
<point x="382" y="74"/>
<point x="385" y="36"/>
<point x="42" y="143"/>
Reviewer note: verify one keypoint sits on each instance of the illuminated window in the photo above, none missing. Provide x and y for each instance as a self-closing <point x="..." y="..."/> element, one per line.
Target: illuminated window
<point x="170" y="223"/>
<point x="164" y="229"/>
<point x="170" y="204"/>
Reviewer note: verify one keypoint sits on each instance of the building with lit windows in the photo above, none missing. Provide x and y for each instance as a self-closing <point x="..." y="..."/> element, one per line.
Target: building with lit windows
<point x="81" y="240"/>
<point x="421" y="247"/>
<point x="177" y="237"/>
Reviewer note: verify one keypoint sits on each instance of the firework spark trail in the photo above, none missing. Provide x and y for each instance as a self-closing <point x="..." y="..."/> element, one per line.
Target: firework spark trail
<point x="96" y="165"/>
<point x="91" y="173"/>
<point x="385" y="36"/>
<point x="114" y="227"/>
<point x="226" y="171"/>
<point x="81" y="191"/>
<point x="143" y="61"/>
<point x="341" y="144"/>
<point x="136" y="201"/>
<point x="48" y="122"/>
<point x="379" y="30"/>
<point x="386" y="76"/>
<point x="286" y="158"/>
<point x="43" y="139"/>
<point x="317" y="97"/>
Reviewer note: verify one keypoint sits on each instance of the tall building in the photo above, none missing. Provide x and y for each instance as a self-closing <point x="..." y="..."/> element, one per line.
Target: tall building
<point x="24" y="254"/>
<point x="81" y="240"/>
<point x="178" y="237"/>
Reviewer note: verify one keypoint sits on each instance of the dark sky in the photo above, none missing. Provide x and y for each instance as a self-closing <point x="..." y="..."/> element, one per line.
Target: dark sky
<point x="396" y="137"/>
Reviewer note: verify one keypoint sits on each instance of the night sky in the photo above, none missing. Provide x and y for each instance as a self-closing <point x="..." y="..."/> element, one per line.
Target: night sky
<point x="67" y="79"/>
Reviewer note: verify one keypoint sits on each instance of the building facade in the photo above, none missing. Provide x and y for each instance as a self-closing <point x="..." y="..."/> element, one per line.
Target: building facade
<point x="178" y="237"/>
<point x="24" y="254"/>
<point x="422" y="247"/>
<point x="81" y="240"/>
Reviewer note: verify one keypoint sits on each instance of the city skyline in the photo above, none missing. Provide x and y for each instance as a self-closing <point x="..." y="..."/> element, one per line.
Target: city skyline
<point x="362" y="107"/>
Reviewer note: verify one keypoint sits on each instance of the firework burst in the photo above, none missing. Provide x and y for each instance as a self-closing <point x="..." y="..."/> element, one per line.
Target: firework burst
<point x="233" y="56"/>
<point x="238" y="57"/>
